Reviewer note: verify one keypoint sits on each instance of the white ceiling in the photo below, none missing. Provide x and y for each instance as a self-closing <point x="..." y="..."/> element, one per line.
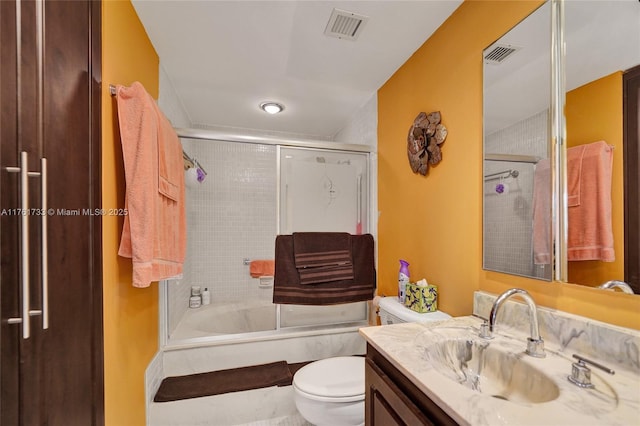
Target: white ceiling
<point x="226" y="57"/>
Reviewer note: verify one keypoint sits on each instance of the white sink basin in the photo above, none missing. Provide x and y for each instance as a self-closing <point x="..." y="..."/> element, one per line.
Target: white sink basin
<point x="478" y="365"/>
<point x="500" y="368"/>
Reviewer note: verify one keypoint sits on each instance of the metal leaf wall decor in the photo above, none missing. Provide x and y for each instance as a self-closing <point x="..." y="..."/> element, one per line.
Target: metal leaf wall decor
<point x="426" y="134"/>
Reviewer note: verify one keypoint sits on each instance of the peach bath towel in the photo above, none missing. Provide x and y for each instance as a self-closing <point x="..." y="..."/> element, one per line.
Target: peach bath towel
<point x="154" y="232"/>
<point x="590" y="228"/>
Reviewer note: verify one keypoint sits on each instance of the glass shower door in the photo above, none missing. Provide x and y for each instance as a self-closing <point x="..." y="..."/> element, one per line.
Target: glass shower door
<point x="323" y="191"/>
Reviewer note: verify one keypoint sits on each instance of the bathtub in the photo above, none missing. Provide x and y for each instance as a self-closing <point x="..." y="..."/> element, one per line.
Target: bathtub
<point x="226" y="318"/>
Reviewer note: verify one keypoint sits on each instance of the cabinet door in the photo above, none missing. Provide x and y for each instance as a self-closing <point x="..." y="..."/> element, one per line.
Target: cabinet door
<point x="50" y="94"/>
<point x="19" y="268"/>
<point x="382" y="413"/>
<point x="386" y="404"/>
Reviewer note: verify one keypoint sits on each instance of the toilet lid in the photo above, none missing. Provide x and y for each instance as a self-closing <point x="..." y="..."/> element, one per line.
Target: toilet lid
<point x="337" y="377"/>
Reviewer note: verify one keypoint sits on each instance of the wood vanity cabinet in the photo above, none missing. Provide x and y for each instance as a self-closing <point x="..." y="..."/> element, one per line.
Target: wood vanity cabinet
<point x="392" y="399"/>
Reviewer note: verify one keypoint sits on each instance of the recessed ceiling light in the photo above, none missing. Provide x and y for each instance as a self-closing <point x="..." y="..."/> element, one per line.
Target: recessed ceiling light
<point x="271" y="107"/>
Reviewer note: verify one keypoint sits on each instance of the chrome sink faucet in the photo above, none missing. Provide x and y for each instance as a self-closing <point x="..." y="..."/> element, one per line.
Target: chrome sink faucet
<point x="535" y="344"/>
<point x="620" y="284"/>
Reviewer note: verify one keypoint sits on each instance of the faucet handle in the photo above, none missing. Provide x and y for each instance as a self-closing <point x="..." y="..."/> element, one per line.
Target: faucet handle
<point x="584" y="360"/>
<point x="581" y="374"/>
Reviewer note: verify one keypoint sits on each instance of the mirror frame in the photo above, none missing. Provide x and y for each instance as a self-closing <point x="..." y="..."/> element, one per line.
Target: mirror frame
<point x="631" y="80"/>
<point x="559" y="213"/>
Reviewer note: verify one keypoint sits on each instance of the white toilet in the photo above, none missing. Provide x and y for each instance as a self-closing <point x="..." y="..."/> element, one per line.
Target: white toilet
<point x="330" y="392"/>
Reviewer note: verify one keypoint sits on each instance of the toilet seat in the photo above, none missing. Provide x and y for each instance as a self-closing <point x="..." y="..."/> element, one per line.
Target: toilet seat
<point x="338" y="379"/>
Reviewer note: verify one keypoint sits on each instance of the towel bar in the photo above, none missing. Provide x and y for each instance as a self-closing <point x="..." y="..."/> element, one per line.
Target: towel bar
<point x="502" y="175"/>
<point x="196" y="164"/>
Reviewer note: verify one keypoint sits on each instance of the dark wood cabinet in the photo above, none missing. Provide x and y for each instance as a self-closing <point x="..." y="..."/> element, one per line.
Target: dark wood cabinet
<point x="50" y="243"/>
<point x="392" y="399"/>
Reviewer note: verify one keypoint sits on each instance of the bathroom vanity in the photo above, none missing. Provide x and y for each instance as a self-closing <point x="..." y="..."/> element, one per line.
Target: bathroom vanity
<point x="392" y="399"/>
<point x="445" y="373"/>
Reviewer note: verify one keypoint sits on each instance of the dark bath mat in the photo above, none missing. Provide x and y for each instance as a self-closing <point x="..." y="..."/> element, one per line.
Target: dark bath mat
<point x="224" y="381"/>
<point x="293" y="368"/>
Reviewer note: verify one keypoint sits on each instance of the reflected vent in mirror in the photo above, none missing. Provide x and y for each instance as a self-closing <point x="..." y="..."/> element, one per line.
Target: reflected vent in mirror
<point x="499" y="53"/>
<point x="345" y="25"/>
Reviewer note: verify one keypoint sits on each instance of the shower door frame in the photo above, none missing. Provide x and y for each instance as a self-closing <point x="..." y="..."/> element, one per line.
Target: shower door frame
<point x="278" y="332"/>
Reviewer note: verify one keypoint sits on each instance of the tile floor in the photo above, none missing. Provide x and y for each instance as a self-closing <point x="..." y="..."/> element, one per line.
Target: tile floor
<point x="293" y="420"/>
<point x="274" y="404"/>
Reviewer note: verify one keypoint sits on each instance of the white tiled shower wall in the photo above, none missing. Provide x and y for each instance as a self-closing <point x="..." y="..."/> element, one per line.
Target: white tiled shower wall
<point x="240" y="217"/>
<point x="231" y="216"/>
<point x="508" y="217"/>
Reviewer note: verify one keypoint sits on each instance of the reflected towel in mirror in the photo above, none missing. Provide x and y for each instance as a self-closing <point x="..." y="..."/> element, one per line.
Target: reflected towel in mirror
<point x="590" y="235"/>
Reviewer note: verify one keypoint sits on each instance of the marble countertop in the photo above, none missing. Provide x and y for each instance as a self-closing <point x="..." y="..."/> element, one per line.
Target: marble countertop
<point x="614" y="401"/>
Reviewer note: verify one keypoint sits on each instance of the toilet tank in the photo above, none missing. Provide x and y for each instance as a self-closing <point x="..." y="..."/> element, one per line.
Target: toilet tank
<point x="391" y="311"/>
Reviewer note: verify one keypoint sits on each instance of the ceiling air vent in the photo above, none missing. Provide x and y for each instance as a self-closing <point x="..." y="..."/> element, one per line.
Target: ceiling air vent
<point x="345" y="25"/>
<point x="499" y="53"/>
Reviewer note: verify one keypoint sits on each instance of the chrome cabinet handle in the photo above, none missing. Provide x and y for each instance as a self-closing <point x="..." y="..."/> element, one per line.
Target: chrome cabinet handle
<point x="359" y="203"/>
<point x="24" y="240"/>
<point x="45" y="247"/>
<point x="24" y="235"/>
<point x="27" y="313"/>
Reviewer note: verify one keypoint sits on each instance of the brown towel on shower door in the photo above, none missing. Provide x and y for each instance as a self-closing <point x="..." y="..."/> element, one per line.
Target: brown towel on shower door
<point x="322" y="257"/>
<point x="287" y="288"/>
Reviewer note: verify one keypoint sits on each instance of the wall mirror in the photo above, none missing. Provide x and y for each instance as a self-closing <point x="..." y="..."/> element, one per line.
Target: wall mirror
<point x="516" y="120"/>
<point x="517" y="98"/>
<point x="602" y="40"/>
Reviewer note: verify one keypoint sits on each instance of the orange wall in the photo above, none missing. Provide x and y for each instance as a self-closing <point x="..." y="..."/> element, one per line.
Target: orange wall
<point x="435" y="222"/>
<point x="130" y="314"/>
<point x="594" y="113"/>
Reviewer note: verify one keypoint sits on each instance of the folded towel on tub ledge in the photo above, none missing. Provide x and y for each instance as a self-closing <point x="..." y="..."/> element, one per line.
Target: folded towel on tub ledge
<point x="288" y="289"/>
